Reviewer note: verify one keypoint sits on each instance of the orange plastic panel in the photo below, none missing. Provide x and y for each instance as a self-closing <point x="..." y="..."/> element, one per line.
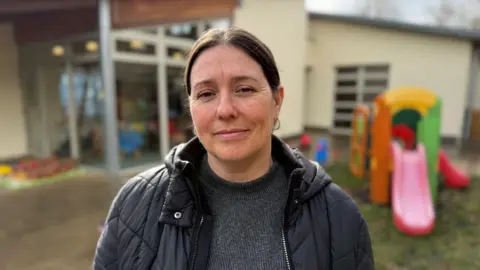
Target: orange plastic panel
<point x="379" y="153"/>
<point x="359" y="140"/>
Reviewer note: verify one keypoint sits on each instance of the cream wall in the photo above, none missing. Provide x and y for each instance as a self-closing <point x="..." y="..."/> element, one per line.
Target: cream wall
<point x="44" y="114"/>
<point x="282" y="25"/>
<point x="476" y="102"/>
<point x="438" y="63"/>
<point x="12" y="122"/>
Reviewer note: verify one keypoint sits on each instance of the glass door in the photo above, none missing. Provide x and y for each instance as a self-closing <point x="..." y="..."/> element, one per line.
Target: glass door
<point x="137" y="113"/>
<point x="88" y="108"/>
<point x="90" y="115"/>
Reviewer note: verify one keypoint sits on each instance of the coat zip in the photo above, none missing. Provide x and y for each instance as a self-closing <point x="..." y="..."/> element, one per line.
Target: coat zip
<point x="195" y="247"/>
<point x="284" y="240"/>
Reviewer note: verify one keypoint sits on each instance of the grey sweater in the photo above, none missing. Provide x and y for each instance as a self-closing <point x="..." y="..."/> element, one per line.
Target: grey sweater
<point x="247" y="220"/>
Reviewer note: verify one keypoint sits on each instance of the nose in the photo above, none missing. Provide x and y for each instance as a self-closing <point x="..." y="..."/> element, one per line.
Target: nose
<point x="226" y="106"/>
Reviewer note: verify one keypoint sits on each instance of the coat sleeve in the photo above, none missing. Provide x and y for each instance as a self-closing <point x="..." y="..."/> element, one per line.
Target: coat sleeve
<point x="363" y="251"/>
<point x="106" y="257"/>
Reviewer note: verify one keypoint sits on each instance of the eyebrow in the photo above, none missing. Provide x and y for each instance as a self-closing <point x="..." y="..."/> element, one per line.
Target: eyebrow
<point x="235" y="79"/>
<point x="244" y="78"/>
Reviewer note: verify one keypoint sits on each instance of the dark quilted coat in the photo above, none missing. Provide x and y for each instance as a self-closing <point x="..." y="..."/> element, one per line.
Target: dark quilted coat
<point x="160" y="220"/>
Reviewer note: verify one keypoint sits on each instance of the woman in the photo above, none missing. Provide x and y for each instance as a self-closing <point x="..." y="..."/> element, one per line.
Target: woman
<point x="234" y="197"/>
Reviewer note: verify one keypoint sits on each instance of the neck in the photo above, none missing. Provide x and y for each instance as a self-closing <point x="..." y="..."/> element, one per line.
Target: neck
<point x="249" y="169"/>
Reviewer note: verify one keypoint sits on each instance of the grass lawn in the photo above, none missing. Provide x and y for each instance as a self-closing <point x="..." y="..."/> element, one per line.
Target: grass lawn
<point x="454" y="244"/>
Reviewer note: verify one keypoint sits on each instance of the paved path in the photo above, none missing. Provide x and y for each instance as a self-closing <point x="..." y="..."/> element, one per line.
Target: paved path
<point x="53" y="226"/>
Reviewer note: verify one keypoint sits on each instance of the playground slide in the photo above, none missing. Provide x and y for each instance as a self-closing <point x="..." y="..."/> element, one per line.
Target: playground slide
<point x="412" y="206"/>
<point x="454" y="178"/>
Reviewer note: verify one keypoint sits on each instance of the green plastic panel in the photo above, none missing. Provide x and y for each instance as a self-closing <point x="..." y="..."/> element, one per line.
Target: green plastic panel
<point x="428" y="133"/>
<point x="409" y="117"/>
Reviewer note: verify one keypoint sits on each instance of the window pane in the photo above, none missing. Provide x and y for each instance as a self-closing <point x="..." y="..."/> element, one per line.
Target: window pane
<point x="188" y="31"/>
<point x="177" y="53"/>
<point x="343" y="110"/>
<point x="342" y="124"/>
<point x="346" y="97"/>
<point x="136" y="47"/>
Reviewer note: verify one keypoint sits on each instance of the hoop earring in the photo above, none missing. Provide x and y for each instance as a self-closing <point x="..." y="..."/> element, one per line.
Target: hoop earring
<point x="277" y="124"/>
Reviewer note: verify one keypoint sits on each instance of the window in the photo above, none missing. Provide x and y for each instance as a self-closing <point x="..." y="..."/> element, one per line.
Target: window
<point x="135" y="47"/>
<point x="85" y="90"/>
<point x="186" y="31"/>
<point x="221" y="23"/>
<point x="355" y="85"/>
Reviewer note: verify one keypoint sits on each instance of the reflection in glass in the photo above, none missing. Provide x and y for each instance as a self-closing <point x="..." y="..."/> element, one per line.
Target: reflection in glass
<point x="188" y="31"/>
<point x="221" y="23"/>
<point x="136" y="47"/>
<point x="89" y="107"/>
<point x="180" y="124"/>
<point x="177" y="53"/>
<point x="137" y="112"/>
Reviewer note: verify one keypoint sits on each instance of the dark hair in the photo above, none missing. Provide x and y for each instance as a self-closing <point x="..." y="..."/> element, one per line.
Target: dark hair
<point x="242" y="40"/>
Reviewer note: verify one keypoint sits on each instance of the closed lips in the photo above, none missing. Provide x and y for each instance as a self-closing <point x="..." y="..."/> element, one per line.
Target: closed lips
<point x="230" y="131"/>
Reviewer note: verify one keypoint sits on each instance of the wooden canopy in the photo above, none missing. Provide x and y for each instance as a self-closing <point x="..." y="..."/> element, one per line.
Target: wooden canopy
<point x="43" y="20"/>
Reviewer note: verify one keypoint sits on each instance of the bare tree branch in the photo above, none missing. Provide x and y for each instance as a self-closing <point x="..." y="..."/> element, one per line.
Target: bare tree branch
<point x="443" y="13"/>
<point x="384" y="9"/>
<point x="450" y="12"/>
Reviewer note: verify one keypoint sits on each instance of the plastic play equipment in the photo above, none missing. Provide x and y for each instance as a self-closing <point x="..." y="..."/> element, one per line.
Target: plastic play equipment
<point x="305" y="141"/>
<point x="454" y="178"/>
<point x="396" y="144"/>
<point x="412" y="204"/>
<point x="321" y="151"/>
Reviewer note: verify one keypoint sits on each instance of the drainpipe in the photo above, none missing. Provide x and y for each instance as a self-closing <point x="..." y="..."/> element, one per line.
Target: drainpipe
<point x="471" y="94"/>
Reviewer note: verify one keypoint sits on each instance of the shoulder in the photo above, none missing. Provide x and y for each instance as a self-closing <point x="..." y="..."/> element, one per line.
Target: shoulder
<point x="342" y="208"/>
<point x="349" y="230"/>
<point x="347" y="224"/>
<point x="141" y="191"/>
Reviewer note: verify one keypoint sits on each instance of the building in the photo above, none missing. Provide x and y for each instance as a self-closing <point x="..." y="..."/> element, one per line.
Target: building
<point x="53" y="96"/>
<point x="53" y="99"/>
<point x="353" y="59"/>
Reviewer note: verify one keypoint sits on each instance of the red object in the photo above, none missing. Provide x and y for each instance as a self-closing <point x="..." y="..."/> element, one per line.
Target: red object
<point x="172" y="129"/>
<point x="412" y="205"/>
<point x="406" y="134"/>
<point x="454" y="177"/>
<point x="305" y="140"/>
<point x="27" y="164"/>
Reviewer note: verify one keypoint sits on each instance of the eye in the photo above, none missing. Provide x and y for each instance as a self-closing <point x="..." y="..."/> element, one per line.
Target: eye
<point x="205" y="94"/>
<point x="245" y="89"/>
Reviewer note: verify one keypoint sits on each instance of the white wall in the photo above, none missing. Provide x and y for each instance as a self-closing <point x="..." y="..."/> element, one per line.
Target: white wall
<point x="282" y="25"/>
<point x="12" y="122"/>
<point x="440" y="64"/>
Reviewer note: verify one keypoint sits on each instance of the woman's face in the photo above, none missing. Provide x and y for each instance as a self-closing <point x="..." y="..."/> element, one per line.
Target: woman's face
<point x="232" y="105"/>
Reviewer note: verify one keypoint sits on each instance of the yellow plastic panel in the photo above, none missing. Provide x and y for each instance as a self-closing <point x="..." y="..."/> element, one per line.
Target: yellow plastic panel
<point x="418" y="98"/>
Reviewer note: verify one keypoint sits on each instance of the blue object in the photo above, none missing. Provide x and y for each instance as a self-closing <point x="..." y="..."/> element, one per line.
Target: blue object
<point x="321" y="151"/>
<point x="130" y="141"/>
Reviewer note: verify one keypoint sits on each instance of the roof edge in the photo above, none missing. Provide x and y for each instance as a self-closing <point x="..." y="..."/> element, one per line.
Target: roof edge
<point x="402" y="26"/>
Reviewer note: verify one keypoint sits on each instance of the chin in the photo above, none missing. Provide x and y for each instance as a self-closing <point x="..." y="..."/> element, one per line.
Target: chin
<point x="231" y="152"/>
